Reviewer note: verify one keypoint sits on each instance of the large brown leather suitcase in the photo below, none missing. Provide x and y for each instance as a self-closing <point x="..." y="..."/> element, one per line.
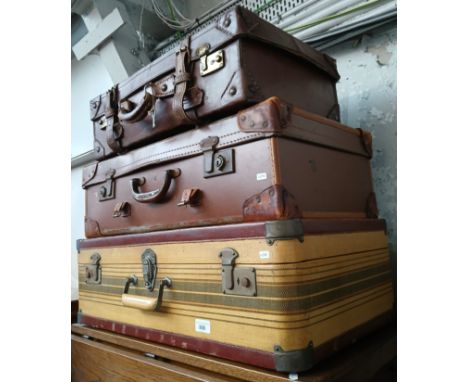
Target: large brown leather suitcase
<point x="237" y="61"/>
<point x="270" y="161"/>
<point x="280" y="295"/>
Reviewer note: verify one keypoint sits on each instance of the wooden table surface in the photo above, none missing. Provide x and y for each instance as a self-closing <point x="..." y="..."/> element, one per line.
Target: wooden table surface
<point x="103" y="356"/>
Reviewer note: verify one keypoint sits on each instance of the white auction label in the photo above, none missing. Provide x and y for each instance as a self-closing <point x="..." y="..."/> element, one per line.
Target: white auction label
<point x="202" y="326"/>
<point x="264" y="254"/>
<point x="261" y="176"/>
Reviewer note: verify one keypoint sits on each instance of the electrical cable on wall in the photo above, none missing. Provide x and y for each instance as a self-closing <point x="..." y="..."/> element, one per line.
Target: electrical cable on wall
<point x="177" y="20"/>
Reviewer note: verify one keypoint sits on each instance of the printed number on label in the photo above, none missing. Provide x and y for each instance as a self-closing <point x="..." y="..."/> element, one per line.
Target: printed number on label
<point x="261" y="176"/>
<point x="202" y="326"/>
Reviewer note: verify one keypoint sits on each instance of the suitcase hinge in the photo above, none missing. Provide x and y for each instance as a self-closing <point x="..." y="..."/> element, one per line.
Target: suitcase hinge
<point x="294" y="361"/>
<point x="284" y="230"/>
<point x="216" y="162"/>
<point x="150" y="269"/>
<point x="107" y="190"/>
<point x="93" y="270"/>
<point x="236" y="280"/>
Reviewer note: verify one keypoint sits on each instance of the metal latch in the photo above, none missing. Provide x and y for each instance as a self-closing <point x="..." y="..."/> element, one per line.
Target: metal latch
<point x="93" y="270"/>
<point x="107" y="190"/>
<point x="150" y="268"/>
<point x="236" y="280"/>
<point x="216" y="162"/>
<point x="210" y="63"/>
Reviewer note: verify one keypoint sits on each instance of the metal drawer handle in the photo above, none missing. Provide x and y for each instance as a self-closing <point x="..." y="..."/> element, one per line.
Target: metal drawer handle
<point x="143" y="302"/>
<point x="154" y="196"/>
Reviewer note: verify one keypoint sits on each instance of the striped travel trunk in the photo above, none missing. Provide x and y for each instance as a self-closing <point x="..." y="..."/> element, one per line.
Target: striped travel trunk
<point x="280" y="295"/>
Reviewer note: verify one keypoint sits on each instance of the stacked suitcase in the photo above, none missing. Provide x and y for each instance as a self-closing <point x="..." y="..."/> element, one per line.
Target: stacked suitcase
<point x="229" y="212"/>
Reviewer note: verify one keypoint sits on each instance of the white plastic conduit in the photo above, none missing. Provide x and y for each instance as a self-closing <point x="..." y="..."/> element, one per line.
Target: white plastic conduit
<point x="369" y="15"/>
<point x="310" y="16"/>
<point x="296" y="14"/>
<point x="326" y="25"/>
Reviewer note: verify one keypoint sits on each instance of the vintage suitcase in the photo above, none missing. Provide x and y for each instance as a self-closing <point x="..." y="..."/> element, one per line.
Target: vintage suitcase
<point x="237" y="61"/>
<point x="279" y="295"/>
<point x="271" y="161"/>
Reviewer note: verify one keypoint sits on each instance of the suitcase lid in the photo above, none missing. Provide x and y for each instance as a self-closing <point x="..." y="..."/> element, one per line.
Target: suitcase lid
<point x="238" y="23"/>
<point x="269" y="118"/>
<point x="270" y="231"/>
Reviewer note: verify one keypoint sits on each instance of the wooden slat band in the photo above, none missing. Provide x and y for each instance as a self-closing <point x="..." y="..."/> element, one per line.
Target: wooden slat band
<point x="91" y="359"/>
<point x="232" y="231"/>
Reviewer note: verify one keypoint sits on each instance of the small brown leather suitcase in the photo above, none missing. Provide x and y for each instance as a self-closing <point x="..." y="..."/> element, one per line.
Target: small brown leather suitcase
<point x="270" y="161"/>
<point x="236" y="62"/>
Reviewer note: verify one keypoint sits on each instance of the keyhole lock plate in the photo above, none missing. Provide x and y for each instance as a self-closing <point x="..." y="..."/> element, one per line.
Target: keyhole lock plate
<point x="93" y="271"/>
<point x="222" y="163"/>
<point x="150" y="268"/>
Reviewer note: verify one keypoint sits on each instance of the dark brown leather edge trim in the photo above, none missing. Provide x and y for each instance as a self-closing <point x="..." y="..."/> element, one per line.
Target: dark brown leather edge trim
<point x="273" y="203"/>
<point x="371" y="206"/>
<point x="233" y="231"/>
<point x="213" y="348"/>
<point x="320" y="226"/>
<point x="88" y="173"/>
<point x="366" y="140"/>
<point x="269" y="116"/>
<point x="91" y="229"/>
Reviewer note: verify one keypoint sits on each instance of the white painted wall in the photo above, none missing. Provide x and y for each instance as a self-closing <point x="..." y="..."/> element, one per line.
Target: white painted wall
<point x="89" y="78"/>
<point x="367" y="93"/>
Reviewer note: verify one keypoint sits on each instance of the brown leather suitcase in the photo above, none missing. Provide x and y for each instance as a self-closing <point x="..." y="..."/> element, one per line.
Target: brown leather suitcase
<point x="270" y="161"/>
<point x="235" y="62"/>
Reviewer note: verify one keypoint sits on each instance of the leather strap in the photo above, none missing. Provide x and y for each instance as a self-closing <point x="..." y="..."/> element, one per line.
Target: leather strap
<point x="111" y="106"/>
<point x="113" y="131"/>
<point x="113" y="134"/>
<point x="181" y="80"/>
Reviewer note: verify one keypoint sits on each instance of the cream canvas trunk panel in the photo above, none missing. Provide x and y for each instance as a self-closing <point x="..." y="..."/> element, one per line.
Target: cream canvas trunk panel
<point x="280" y="295"/>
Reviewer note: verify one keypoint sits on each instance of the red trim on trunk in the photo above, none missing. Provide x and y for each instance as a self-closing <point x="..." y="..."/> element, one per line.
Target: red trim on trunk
<point x="213" y="348"/>
<point x="232" y="231"/>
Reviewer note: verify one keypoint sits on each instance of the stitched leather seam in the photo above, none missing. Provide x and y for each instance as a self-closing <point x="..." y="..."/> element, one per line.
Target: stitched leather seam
<point x="154" y="159"/>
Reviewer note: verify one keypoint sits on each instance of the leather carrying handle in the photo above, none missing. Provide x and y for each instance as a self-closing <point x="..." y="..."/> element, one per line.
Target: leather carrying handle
<point x="142" y="302"/>
<point x="154" y="196"/>
<point x="182" y="77"/>
<point x="140" y="111"/>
